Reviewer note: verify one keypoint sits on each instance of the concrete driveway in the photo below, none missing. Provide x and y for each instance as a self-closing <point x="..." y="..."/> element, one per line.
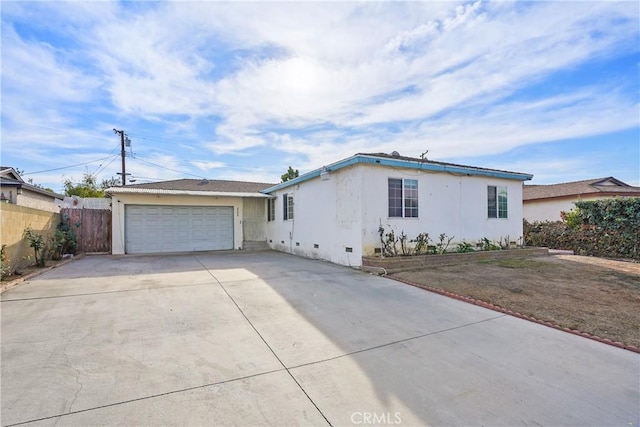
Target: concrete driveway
<point x="268" y="338"/>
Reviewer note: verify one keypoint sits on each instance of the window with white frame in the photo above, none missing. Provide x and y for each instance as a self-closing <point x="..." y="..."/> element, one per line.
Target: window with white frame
<point x="287" y="206"/>
<point x="497" y="202"/>
<point x="403" y="198"/>
<point x="271" y="209"/>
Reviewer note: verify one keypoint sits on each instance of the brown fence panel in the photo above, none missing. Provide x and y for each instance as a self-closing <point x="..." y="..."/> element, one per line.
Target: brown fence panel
<point x="92" y="228"/>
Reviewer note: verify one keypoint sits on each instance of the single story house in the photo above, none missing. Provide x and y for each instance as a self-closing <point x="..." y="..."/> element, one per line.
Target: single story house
<point x="545" y="202"/>
<point x="331" y="213"/>
<point x="13" y="189"/>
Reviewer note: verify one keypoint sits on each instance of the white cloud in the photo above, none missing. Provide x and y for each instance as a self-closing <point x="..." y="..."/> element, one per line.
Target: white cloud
<point x="206" y="166"/>
<point x="314" y="81"/>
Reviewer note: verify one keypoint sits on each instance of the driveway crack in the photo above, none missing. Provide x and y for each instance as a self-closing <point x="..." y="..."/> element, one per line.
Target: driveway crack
<point x="266" y="343"/>
<point x="77" y="378"/>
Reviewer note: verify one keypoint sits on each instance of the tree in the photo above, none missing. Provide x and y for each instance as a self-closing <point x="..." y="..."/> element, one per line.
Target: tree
<point x="85" y="188"/>
<point x="290" y="174"/>
<point x="111" y="182"/>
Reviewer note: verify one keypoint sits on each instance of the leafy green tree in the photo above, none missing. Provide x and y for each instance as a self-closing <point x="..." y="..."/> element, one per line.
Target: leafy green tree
<point x="88" y="187"/>
<point x="290" y="174"/>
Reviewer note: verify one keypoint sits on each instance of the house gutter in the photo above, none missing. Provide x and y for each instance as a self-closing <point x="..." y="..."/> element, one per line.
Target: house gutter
<point x="418" y="165"/>
<point x="156" y="191"/>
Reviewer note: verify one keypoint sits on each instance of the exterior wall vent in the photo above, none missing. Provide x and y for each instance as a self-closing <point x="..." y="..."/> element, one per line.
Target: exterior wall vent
<point x="348" y="249"/>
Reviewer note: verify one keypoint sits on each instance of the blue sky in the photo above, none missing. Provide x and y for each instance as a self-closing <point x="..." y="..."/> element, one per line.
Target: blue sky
<point x="243" y="90"/>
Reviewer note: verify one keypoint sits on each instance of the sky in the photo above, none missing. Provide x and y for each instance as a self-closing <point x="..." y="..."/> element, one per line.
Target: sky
<point x="242" y="90"/>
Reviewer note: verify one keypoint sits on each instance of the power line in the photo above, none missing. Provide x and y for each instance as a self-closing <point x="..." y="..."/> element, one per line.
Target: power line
<point x="66" y="167"/>
<point x="112" y="153"/>
<point x="169" y="169"/>
<point x="101" y="169"/>
<point x="223" y="166"/>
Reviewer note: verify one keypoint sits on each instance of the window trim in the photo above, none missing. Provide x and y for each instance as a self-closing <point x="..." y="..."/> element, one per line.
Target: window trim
<point x="271" y="209"/>
<point x="498" y="202"/>
<point x="287" y="208"/>
<point x="403" y="207"/>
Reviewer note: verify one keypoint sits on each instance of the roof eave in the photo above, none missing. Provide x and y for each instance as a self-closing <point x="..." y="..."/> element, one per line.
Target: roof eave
<point x="157" y="191"/>
<point x="594" y="194"/>
<point x="426" y="166"/>
<point x="24" y="186"/>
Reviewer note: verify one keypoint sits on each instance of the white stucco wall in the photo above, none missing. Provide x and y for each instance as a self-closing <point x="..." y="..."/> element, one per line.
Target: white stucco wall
<point x="447" y="203"/>
<point x="346" y="211"/>
<point x="119" y="202"/>
<point x="549" y="210"/>
<point x="326" y="214"/>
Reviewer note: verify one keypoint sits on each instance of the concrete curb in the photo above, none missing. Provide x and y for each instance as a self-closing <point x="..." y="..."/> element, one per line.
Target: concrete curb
<point x="5" y="286"/>
<point x="516" y="314"/>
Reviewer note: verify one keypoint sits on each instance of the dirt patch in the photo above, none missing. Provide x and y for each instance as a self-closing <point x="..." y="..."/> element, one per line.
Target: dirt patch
<point x="27" y="271"/>
<point x="596" y="296"/>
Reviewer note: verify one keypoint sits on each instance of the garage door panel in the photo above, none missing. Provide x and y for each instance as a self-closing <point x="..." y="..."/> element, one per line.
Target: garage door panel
<point x="152" y="229"/>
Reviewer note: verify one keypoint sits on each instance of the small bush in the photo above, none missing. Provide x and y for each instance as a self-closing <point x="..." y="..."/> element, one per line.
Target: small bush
<point x="422" y="244"/>
<point x="487" y="245"/>
<point x="464" y="247"/>
<point x="37" y="242"/>
<point x="5" y="268"/>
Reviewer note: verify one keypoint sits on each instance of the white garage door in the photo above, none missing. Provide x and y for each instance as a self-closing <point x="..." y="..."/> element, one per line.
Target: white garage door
<point x="152" y="229"/>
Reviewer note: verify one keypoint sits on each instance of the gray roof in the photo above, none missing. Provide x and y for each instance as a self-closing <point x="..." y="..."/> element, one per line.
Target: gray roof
<point x="7" y="181"/>
<point x="608" y="186"/>
<point x="193" y="186"/>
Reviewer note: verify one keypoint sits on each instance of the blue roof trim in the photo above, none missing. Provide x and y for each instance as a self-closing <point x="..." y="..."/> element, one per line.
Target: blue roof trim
<point x="407" y="164"/>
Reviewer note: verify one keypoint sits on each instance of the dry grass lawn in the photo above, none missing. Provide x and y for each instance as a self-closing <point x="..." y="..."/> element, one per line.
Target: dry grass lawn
<point x="592" y="295"/>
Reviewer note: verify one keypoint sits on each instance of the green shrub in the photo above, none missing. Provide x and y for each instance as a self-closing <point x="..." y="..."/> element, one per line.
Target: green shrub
<point x="37" y="242"/>
<point x="573" y="218"/>
<point x="5" y="268"/>
<point x="606" y="228"/>
<point x="464" y="247"/>
<point x="487" y="245"/>
<point x="70" y="241"/>
<point x="422" y="244"/>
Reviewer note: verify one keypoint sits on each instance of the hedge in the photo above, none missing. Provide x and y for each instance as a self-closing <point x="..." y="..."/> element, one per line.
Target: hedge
<point x="605" y="228"/>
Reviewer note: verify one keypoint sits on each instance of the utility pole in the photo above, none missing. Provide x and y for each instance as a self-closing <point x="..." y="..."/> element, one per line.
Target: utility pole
<point x="122" y="154"/>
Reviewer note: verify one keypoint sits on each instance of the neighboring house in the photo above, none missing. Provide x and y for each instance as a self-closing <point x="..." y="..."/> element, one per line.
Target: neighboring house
<point x="545" y="202"/>
<point x="187" y="215"/>
<point x="332" y="213"/>
<point x="14" y="190"/>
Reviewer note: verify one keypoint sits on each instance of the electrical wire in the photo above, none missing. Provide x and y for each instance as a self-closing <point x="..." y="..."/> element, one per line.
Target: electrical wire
<point x="226" y="165"/>
<point x="101" y="169"/>
<point x="223" y="166"/>
<point x="66" y="167"/>
<point x="169" y="169"/>
<point x="112" y="153"/>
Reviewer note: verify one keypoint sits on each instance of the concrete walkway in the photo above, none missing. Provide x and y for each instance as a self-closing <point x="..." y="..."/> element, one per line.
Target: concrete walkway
<point x="266" y="338"/>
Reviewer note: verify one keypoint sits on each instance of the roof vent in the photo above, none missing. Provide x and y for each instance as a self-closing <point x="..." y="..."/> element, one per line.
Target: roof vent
<point x="203" y="182"/>
<point x="395" y="154"/>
